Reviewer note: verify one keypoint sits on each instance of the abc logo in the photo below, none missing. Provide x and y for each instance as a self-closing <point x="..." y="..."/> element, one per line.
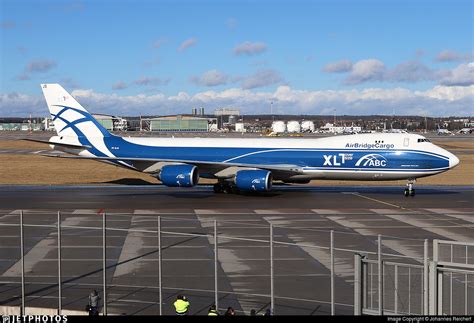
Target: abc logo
<point x="376" y="163"/>
<point x="372" y="160"/>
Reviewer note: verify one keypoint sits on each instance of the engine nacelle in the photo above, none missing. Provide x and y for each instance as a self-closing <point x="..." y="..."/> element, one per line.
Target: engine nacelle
<point x="254" y="180"/>
<point x="179" y="175"/>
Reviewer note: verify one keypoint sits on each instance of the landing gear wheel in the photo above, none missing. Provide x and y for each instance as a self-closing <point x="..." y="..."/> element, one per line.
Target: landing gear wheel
<point x="410" y="190"/>
<point x="217" y="188"/>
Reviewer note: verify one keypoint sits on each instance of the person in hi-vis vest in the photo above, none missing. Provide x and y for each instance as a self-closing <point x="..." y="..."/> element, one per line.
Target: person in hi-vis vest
<point x="181" y="305"/>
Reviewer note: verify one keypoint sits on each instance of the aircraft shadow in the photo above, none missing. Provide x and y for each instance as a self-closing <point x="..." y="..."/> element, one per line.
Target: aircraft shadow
<point x="128" y="181"/>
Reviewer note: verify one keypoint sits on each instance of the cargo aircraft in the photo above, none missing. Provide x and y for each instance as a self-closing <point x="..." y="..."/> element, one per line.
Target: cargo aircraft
<point x="241" y="164"/>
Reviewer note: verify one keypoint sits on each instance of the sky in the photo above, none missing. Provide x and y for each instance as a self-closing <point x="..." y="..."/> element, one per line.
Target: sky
<point x="144" y="57"/>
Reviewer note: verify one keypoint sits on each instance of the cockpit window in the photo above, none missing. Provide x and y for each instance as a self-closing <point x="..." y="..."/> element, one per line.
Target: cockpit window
<point x="423" y="140"/>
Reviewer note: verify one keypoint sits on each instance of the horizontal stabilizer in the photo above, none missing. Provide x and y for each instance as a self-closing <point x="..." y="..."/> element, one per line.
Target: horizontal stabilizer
<point x="58" y="144"/>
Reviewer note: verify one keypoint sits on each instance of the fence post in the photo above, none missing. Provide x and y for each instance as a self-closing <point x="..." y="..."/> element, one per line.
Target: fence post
<point x="409" y="289"/>
<point x="332" y="272"/>
<point x="425" y="278"/>
<point x="434" y="280"/>
<point x="466" y="286"/>
<point x="451" y="284"/>
<point x="216" y="259"/>
<point x="22" y="247"/>
<point x="433" y="288"/>
<point x="395" y="292"/>
<point x="272" y="296"/>
<point x="439" y="288"/>
<point x="59" y="266"/>
<point x="379" y="262"/>
<point x="357" y="285"/>
<point x="160" y="295"/>
<point x="104" y="262"/>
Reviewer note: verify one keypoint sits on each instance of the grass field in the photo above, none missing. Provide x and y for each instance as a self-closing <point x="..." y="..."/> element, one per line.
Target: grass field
<point x="39" y="170"/>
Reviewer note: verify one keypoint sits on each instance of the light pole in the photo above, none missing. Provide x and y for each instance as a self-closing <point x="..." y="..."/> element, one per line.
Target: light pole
<point x="271" y="109"/>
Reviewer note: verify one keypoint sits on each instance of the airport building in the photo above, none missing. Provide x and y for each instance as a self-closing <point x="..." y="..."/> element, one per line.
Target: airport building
<point x="111" y="123"/>
<point x="13" y="124"/>
<point x="21" y="126"/>
<point x="226" y="116"/>
<point x="181" y="123"/>
<point x="331" y="128"/>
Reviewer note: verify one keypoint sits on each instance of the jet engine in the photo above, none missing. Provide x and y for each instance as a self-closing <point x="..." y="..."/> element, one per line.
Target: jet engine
<point x="179" y="175"/>
<point x="254" y="180"/>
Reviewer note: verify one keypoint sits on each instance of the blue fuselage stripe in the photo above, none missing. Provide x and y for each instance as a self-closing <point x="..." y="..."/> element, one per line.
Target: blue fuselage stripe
<point x="391" y="160"/>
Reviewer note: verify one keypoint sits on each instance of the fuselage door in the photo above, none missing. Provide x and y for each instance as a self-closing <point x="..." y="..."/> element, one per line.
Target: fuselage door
<point x="406" y="142"/>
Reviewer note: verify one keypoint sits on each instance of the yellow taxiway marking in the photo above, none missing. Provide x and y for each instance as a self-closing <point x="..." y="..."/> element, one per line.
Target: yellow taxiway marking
<point x="379" y="201"/>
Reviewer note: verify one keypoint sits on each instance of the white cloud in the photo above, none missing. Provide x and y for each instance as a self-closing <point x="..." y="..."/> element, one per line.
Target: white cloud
<point x="120" y="85"/>
<point x="448" y="93"/>
<point x="186" y="44"/>
<point x="210" y="78"/>
<point x="338" y="67"/>
<point x="35" y="67"/>
<point x="151" y="81"/>
<point x="462" y="75"/>
<point x="373" y="70"/>
<point x="40" y="66"/>
<point x="249" y="48"/>
<point x="69" y="83"/>
<point x="261" y="78"/>
<point x="449" y="55"/>
<point x="22" y="77"/>
<point x="18" y="104"/>
<point x="437" y="101"/>
<point x="410" y="71"/>
<point x="366" y="70"/>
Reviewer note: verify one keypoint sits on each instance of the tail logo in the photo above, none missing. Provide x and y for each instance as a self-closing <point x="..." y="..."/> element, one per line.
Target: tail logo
<point x="372" y="160"/>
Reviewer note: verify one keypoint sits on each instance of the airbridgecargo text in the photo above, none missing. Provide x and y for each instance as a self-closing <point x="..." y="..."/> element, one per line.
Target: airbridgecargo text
<point x="370" y="146"/>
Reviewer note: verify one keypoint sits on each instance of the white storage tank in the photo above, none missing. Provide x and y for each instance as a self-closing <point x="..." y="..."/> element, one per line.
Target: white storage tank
<point x="293" y="127"/>
<point x="307" y="126"/>
<point x="278" y="127"/>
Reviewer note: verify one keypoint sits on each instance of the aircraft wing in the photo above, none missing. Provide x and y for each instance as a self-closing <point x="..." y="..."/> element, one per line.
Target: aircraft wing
<point x="205" y="166"/>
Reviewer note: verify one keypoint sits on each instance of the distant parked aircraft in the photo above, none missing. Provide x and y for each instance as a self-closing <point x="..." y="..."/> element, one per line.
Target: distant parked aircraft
<point x="465" y="130"/>
<point x="444" y="132"/>
<point x="249" y="164"/>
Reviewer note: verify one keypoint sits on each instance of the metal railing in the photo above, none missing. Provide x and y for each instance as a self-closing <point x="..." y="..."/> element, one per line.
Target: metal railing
<point x="376" y="256"/>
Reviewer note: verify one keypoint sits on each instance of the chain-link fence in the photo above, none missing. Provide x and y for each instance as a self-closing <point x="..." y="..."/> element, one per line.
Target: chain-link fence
<point x="140" y="262"/>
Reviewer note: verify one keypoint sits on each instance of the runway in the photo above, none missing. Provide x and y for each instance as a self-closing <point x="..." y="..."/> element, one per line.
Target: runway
<point x="281" y="197"/>
<point x="300" y="215"/>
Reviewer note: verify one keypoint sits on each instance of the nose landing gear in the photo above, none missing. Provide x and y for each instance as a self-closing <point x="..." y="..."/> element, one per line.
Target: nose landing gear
<point x="409" y="190"/>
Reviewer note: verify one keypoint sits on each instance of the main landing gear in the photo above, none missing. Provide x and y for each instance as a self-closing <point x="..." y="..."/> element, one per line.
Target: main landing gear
<point x="409" y="190"/>
<point x="225" y="187"/>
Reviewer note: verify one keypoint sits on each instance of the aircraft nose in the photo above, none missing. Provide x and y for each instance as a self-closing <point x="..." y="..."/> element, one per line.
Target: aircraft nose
<point x="453" y="161"/>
